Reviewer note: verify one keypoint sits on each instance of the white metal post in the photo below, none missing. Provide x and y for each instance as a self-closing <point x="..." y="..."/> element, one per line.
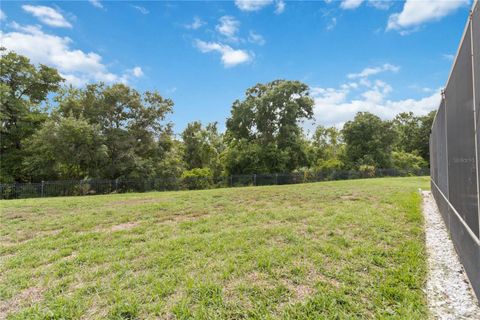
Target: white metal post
<point x="444" y="97"/>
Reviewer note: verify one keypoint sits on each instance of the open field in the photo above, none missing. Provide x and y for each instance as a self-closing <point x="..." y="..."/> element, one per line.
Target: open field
<point x="344" y="249"/>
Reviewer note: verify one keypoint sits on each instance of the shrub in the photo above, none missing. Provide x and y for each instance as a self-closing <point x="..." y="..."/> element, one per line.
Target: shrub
<point x="329" y="165"/>
<point x="82" y="189"/>
<point x="407" y="162"/>
<point x="305" y="174"/>
<point x="198" y="178"/>
<point x="367" y="171"/>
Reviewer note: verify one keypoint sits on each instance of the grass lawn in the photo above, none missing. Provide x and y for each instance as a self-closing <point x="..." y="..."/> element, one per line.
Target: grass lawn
<point x="329" y="250"/>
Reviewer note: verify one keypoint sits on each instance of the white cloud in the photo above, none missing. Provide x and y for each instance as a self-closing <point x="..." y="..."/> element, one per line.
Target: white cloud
<point x="335" y="106"/>
<point x="252" y="5"/>
<point x="196" y="24"/>
<point x="370" y="71"/>
<point x="380" y="4"/>
<point x="354" y="4"/>
<point x="448" y="57"/>
<point x="256" y="38"/>
<point x="96" y="3"/>
<point x="257" y="5"/>
<point x="76" y="66"/>
<point x="230" y="57"/>
<point x="171" y="90"/>
<point x="137" y="72"/>
<point x="3" y="16"/>
<point x="417" y="12"/>
<point x="228" y="27"/>
<point x="141" y="9"/>
<point x="280" y="7"/>
<point x="47" y="15"/>
<point x="332" y="24"/>
<point x="350" y="4"/>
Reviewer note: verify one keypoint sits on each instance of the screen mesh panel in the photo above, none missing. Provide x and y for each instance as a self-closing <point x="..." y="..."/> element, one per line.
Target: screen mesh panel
<point x="455" y="152"/>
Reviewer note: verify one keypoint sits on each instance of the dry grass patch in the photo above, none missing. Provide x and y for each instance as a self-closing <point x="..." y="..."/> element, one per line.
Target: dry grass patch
<point x="23" y="299"/>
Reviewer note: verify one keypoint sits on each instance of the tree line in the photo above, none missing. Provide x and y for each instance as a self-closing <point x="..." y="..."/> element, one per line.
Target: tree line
<point x="51" y="131"/>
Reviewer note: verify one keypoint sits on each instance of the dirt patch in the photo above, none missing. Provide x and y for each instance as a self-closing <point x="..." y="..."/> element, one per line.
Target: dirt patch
<point x="25" y="236"/>
<point x="95" y="312"/>
<point x="123" y="226"/>
<point x="183" y="217"/>
<point x="118" y="227"/>
<point x="131" y="202"/>
<point x="299" y="291"/>
<point x="170" y="303"/>
<point x="350" y="197"/>
<point x="25" y="298"/>
<point x="6" y="256"/>
<point x="252" y="278"/>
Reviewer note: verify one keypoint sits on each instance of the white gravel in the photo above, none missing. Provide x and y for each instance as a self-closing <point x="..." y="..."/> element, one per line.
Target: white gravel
<point x="449" y="293"/>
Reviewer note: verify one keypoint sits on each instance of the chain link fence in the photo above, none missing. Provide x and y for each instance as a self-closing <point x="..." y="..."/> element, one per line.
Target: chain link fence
<point x="454" y="151"/>
<point x="95" y="186"/>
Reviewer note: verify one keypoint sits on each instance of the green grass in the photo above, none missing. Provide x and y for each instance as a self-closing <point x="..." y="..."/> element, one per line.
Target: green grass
<point x="331" y="250"/>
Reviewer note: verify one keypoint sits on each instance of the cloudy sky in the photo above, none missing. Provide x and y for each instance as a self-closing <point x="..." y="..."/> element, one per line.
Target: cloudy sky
<point x="357" y="55"/>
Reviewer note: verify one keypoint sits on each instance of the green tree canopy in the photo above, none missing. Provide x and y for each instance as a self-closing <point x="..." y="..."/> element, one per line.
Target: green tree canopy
<point x="65" y="148"/>
<point x="132" y="124"/>
<point x="203" y="147"/>
<point x="24" y="87"/>
<point x="413" y="133"/>
<point x="369" y="141"/>
<point x="270" y="117"/>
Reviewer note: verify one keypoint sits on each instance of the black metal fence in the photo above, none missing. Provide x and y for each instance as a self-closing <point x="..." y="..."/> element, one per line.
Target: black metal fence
<point x="94" y="186"/>
<point x="454" y="151"/>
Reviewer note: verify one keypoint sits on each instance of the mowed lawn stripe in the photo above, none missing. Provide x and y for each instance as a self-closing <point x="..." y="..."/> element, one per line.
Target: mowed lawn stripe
<point x="343" y="249"/>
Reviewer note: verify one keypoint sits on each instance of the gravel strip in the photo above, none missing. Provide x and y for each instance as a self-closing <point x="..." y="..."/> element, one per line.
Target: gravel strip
<point x="448" y="291"/>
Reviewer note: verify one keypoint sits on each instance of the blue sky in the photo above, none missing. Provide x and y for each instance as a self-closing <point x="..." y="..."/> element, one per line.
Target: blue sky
<point x="380" y="56"/>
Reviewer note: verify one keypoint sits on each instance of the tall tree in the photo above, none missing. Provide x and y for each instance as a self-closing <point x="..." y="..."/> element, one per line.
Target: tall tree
<point x="24" y="87"/>
<point x="269" y="118"/>
<point x="132" y="124"/>
<point x="369" y="140"/>
<point x="65" y="148"/>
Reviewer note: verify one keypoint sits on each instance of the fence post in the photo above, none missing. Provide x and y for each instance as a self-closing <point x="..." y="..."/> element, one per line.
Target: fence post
<point x="116" y="185"/>
<point x="254" y="179"/>
<point x="43" y="186"/>
<point x="231" y="181"/>
<point x="276" y="178"/>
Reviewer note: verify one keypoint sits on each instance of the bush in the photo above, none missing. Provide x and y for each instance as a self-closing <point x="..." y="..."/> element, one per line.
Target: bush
<point x="83" y="188"/>
<point x="198" y="178"/>
<point x="408" y="162"/>
<point x="367" y="171"/>
<point x="305" y="174"/>
<point x="329" y="165"/>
